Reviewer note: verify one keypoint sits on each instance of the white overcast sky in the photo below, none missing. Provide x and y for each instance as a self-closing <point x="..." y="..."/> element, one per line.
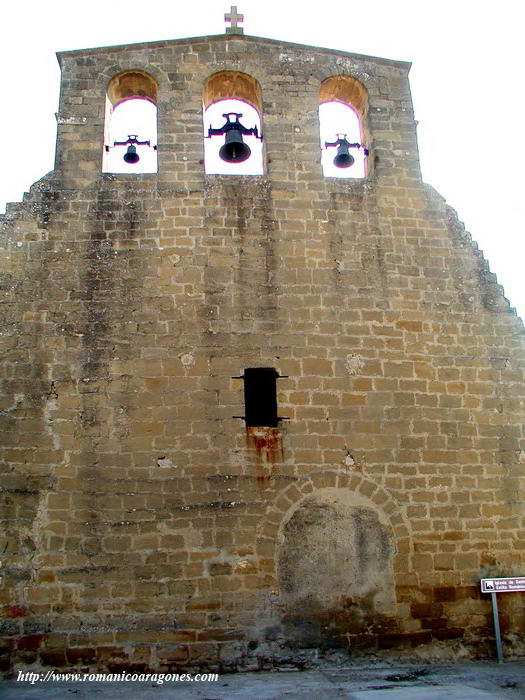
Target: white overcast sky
<point x="467" y="84"/>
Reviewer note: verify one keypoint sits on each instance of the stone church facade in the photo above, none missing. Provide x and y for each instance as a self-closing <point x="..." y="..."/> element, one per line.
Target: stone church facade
<point x="147" y="522"/>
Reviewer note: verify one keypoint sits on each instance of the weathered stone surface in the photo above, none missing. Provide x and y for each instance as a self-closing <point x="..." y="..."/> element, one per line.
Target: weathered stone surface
<point x="335" y="573"/>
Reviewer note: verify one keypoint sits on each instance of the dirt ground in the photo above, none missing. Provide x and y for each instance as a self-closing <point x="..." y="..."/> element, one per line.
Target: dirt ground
<point x="480" y="680"/>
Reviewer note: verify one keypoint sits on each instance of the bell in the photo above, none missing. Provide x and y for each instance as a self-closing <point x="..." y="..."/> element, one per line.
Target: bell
<point x="234" y="149"/>
<point x="131" y="156"/>
<point x="343" y="158"/>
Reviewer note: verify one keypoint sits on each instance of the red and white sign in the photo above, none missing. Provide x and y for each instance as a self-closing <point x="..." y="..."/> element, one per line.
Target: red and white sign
<point x="503" y="585"/>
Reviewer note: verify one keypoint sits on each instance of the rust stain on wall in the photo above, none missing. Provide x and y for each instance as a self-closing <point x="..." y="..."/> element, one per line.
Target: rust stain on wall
<point x="267" y="444"/>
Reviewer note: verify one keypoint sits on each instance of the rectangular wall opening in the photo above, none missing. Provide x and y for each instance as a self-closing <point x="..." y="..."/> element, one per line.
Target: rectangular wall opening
<point x="260" y="397"/>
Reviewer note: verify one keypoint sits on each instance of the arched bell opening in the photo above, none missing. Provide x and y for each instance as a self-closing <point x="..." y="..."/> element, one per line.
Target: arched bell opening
<point x="233" y="143"/>
<point x="130" y="135"/>
<point x="343" y="127"/>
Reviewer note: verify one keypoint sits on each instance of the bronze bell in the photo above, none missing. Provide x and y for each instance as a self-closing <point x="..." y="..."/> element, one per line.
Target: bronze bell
<point x="234" y="149"/>
<point x="131" y="156"/>
<point x="343" y="159"/>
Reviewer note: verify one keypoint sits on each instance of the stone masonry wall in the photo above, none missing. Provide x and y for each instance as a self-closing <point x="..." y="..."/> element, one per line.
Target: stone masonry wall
<point x="144" y="525"/>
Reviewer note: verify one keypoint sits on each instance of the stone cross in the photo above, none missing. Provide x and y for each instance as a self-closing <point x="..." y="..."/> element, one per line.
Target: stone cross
<point x="233" y="17"/>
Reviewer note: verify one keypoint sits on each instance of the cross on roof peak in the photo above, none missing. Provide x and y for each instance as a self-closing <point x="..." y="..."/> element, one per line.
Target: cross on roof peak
<point x="233" y="17"/>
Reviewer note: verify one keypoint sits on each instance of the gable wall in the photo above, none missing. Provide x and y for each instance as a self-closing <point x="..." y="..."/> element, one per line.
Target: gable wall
<point x="145" y="525"/>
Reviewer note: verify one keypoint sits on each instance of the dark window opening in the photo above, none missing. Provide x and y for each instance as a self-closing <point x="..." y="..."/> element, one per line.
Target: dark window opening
<point x="260" y="397"/>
